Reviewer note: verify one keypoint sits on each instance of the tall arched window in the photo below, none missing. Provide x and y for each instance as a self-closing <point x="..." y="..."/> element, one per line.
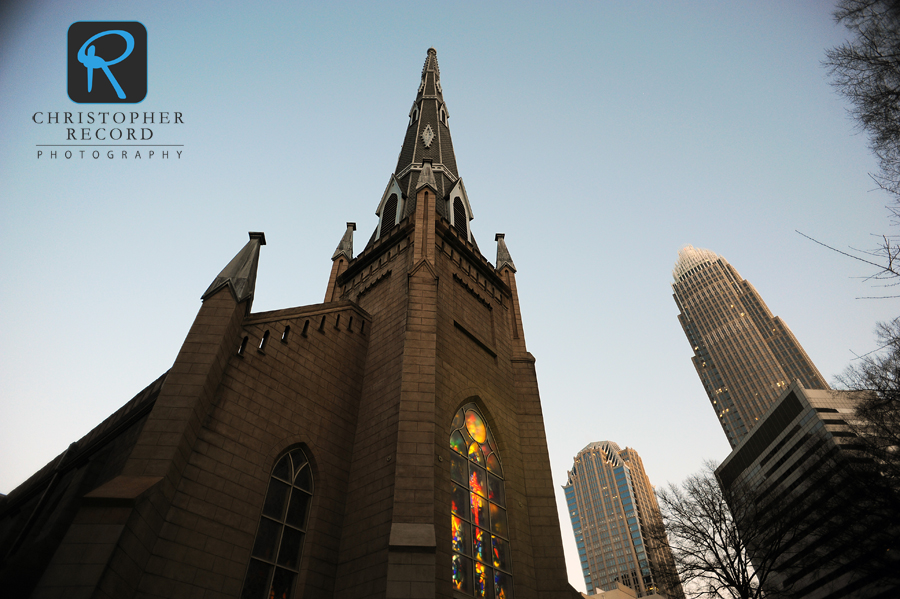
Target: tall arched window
<point x="482" y="566"/>
<point x="275" y="561"/>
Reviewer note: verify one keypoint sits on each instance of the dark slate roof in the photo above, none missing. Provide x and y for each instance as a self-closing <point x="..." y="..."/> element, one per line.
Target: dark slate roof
<point x="436" y="145"/>
<point x="106" y="432"/>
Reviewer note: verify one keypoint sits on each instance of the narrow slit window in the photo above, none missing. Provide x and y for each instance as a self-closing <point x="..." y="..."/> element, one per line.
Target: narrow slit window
<point x="459" y="218"/>
<point x="305" y="328"/>
<point x="243" y="345"/>
<point x="263" y="341"/>
<point x="284" y="335"/>
<point x="322" y="324"/>
<point x="337" y="322"/>
<point x="389" y="215"/>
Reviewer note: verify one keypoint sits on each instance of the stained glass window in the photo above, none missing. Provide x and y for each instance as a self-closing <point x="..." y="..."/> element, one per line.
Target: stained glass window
<point x="275" y="559"/>
<point x="479" y="527"/>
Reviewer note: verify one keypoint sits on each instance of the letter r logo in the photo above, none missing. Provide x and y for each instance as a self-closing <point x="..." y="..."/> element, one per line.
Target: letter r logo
<point x="107" y="62"/>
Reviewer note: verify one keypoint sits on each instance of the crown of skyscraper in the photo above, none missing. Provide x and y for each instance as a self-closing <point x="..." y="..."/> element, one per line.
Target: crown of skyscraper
<point x="689" y="257"/>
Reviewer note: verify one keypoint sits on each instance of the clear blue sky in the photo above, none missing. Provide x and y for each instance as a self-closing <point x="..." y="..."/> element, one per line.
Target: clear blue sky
<point x="599" y="136"/>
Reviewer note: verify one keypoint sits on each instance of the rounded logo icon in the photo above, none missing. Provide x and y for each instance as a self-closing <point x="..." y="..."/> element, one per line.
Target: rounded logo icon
<point x="107" y="62"/>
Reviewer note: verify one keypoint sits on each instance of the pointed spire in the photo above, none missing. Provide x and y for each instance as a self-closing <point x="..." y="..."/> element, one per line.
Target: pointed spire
<point x="240" y="274"/>
<point x="345" y="247"/>
<point x="428" y="134"/>
<point x="427" y="159"/>
<point x="503" y="257"/>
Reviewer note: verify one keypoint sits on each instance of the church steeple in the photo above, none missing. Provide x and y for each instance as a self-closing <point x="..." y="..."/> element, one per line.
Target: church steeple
<point x="426" y="157"/>
<point x="428" y="132"/>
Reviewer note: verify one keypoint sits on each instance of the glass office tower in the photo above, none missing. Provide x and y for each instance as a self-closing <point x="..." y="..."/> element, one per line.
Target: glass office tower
<point x="613" y="512"/>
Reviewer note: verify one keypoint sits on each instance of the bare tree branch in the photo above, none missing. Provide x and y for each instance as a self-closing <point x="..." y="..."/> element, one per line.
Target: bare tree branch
<point x="866" y="71"/>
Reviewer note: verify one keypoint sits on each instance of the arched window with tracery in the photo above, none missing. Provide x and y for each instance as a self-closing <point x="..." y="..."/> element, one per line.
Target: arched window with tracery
<point x="275" y="562"/>
<point x="482" y="566"/>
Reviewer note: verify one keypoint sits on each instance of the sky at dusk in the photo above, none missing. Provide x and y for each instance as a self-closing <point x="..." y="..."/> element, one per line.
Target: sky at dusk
<point x="600" y="137"/>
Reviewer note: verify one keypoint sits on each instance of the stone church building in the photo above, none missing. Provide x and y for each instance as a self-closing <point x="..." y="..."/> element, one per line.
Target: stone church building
<point x="388" y="442"/>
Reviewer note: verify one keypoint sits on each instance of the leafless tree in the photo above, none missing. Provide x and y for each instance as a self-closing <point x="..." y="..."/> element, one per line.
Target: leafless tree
<point x="878" y="413"/>
<point x="712" y="543"/>
<point x="877" y="443"/>
<point x="866" y="70"/>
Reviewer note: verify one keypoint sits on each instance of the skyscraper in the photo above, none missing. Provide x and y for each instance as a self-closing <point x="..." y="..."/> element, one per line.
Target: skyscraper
<point x="745" y="356"/>
<point x="614" y="515"/>
<point x="386" y="443"/>
<point x="812" y="492"/>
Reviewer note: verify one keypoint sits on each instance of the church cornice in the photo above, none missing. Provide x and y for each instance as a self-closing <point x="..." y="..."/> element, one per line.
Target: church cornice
<point x="306" y="311"/>
<point x="449" y="235"/>
<point x="375" y="250"/>
<point x="437" y="168"/>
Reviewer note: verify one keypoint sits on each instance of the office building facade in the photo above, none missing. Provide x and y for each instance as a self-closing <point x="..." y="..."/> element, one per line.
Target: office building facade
<point x="616" y="521"/>
<point x="744" y="355"/>
<point x="802" y="474"/>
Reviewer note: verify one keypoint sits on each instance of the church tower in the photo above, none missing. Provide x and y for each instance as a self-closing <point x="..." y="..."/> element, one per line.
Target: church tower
<point x="388" y="442"/>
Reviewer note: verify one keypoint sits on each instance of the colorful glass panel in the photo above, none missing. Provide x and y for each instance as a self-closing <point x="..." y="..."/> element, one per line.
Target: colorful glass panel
<point x="465" y="435"/>
<point x="486" y="449"/>
<point x="478" y="498"/>
<point x="503" y="588"/>
<point x="458" y="420"/>
<point x="500" y="553"/>
<point x="482" y="581"/>
<point x="475" y="426"/>
<point x="481" y="544"/>
<point x="460" y="532"/>
<point x="462" y="574"/>
<point x="477" y="480"/>
<point x="459" y="472"/>
<point x="460" y="501"/>
<point x="458" y="443"/>
<point x="498" y="521"/>
<point x="475" y="454"/>
<point x="493" y="464"/>
<point x="479" y="510"/>
<point x="495" y="490"/>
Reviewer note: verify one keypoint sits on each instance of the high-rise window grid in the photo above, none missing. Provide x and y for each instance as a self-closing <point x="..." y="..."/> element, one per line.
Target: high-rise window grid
<point x="610" y="505"/>
<point x="744" y="356"/>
